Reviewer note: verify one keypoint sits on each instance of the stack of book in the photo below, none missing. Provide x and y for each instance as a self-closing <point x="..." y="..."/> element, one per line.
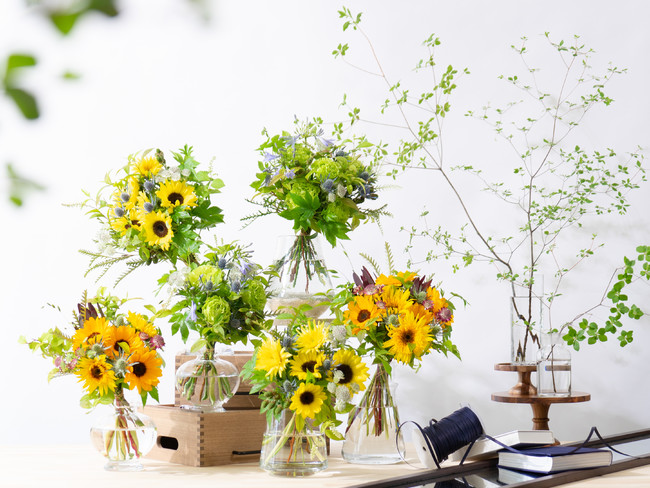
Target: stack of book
<point x="553" y="459"/>
<point x="486" y="448"/>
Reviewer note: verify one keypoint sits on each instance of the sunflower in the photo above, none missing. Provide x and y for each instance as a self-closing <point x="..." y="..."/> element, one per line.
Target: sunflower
<point x="140" y="324"/>
<point x="311" y="336"/>
<point x="408" y="340"/>
<point x="382" y="279"/>
<point x="176" y="193"/>
<point x="271" y="357"/>
<point x="420" y="311"/>
<point x="148" y="166"/>
<point x="158" y="229"/>
<point x="307" y="400"/>
<point x="440" y="308"/>
<point x="360" y="312"/>
<point x="396" y="300"/>
<point x="144" y="370"/>
<point x="96" y="374"/>
<point x="127" y="221"/>
<point x="93" y="331"/>
<point x="354" y="371"/>
<point x="307" y="362"/>
<point x="124" y="339"/>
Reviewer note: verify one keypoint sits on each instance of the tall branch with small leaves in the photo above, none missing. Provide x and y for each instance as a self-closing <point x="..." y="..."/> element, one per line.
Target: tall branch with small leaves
<point x="555" y="184"/>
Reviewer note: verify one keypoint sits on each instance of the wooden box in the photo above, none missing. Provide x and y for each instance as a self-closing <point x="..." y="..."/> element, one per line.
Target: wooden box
<point x="242" y="398"/>
<point x="206" y="439"/>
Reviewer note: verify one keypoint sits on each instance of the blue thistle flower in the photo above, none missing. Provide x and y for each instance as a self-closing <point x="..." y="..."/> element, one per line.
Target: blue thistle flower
<point x="149" y="185"/>
<point x="222" y="263"/>
<point x="125" y="197"/>
<point x="119" y="212"/>
<point x="328" y="185"/>
<point x="148" y="207"/>
<point x="235" y="286"/>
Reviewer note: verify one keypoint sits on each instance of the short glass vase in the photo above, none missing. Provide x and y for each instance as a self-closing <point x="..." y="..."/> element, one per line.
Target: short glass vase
<point x="553" y="367"/>
<point x="288" y="450"/>
<point x="206" y="383"/>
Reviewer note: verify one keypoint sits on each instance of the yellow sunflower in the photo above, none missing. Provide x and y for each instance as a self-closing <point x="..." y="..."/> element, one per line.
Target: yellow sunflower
<point x="307" y="362"/>
<point x="124" y="339"/>
<point x="94" y="330"/>
<point x="144" y="370"/>
<point x="409" y="340"/>
<point x="353" y="369"/>
<point x="441" y="309"/>
<point x="140" y="324"/>
<point x="360" y="312"/>
<point x="271" y="357"/>
<point x="396" y="300"/>
<point x="96" y="374"/>
<point x="382" y="279"/>
<point x="147" y="166"/>
<point x="311" y="336"/>
<point x="308" y="400"/>
<point x="420" y="312"/>
<point x="124" y="223"/>
<point x="176" y="193"/>
<point x="158" y="229"/>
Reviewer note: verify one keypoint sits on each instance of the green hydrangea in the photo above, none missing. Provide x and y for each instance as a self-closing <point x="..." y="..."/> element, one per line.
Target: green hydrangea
<point x="301" y="188"/>
<point x="326" y="168"/>
<point x="216" y="311"/>
<point x="337" y="212"/>
<point x="299" y="155"/>
<point x="255" y="295"/>
<point x="350" y="167"/>
<point x="205" y="273"/>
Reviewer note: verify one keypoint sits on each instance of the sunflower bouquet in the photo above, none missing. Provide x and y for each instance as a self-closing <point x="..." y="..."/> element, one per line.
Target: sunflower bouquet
<point x="318" y="185"/>
<point x="304" y="374"/>
<point x="399" y="317"/>
<point x="222" y="298"/>
<point x="109" y="352"/>
<point x="155" y="211"/>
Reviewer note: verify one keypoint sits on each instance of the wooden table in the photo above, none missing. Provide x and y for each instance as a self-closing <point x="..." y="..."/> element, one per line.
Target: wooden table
<point x="540" y="404"/>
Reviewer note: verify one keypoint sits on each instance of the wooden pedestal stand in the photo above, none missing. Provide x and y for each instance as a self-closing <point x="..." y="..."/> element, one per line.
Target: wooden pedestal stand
<point x="525" y="392"/>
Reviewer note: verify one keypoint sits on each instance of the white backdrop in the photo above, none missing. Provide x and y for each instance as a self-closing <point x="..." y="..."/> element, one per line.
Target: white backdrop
<point x="162" y="76"/>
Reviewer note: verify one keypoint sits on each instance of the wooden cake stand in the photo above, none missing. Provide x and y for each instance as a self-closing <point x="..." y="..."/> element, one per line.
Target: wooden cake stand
<point x="525" y="392"/>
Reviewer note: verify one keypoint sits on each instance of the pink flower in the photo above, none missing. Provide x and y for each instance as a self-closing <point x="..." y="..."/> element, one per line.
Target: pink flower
<point x="157" y="342"/>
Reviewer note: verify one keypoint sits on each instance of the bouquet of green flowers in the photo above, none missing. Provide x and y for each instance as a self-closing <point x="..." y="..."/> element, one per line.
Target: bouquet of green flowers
<point x="318" y="185"/>
<point x="305" y="373"/>
<point x="155" y="211"/>
<point x="222" y="298"/>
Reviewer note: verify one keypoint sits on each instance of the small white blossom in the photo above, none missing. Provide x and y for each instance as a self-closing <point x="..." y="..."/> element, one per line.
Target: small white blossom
<point x="331" y="387"/>
<point x="331" y="197"/>
<point x="340" y="405"/>
<point x="177" y="279"/>
<point x="341" y="190"/>
<point x="185" y="173"/>
<point x="339" y="334"/>
<point x="338" y="376"/>
<point x="342" y="393"/>
<point x="103" y="237"/>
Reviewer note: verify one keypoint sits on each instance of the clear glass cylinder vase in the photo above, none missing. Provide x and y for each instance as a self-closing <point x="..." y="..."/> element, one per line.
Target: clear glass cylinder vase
<point x="123" y="436"/>
<point x="553" y="367"/>
<point x="207" y="382"/>
<point x="371" y="436"/>
<point x="291" y="451"/>
<point x="526" y="315"/>
<point x="303" y="277"/>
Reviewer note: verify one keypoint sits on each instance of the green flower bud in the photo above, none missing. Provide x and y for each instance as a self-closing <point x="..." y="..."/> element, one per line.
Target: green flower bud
<point x="324" y="168"/>
<point x="255" y="295"/>
<point x="205" y="273"/>
<point x="216" y="311"/>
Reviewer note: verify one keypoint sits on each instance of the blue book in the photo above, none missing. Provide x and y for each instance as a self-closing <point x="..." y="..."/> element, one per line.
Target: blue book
<point x="553" y="459"/>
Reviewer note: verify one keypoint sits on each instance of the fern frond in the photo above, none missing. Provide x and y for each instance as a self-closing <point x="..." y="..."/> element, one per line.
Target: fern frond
<point x="372" y="262"/>
<point x="131" y="267"/>
<point x="390" y="258"/>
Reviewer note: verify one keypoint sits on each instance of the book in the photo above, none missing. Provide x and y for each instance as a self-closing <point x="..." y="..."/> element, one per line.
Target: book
<point x="484" y="448"/>
<point x="553" y="459"/>
<point x="510" y="476"/>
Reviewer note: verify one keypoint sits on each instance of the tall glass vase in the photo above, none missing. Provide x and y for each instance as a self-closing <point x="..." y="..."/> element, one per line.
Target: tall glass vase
<point x="526" y="322"/>
<point x="303" y="275"/>
<point x="124" y="436"/>
<point x="371" y="436"/>
<point x="291" y="451"/>
<point x="207" y="382"/>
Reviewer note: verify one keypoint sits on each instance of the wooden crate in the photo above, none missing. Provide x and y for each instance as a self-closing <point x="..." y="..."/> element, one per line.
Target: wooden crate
<point x="206" y="439"/>
<point x="242" y="399"/>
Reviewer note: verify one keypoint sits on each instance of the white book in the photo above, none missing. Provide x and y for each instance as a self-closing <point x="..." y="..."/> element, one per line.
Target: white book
<point x="485" y="448"/>
<point x="553" y="459"/>
<point x="510" y="476"/>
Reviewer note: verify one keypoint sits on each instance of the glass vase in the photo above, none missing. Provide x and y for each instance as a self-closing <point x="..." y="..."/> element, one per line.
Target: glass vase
<point x="526" y="315"/>
<point x="553" y="367"/>
<point x="303" y="277"/>
<point x="371" y="436"/>
<point x="207" y="382"/>
<point x="124" y="436"/>
<point x="290" y="451"/>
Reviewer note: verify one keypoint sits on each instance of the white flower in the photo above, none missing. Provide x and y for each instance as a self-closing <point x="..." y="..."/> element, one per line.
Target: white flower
<point x="177" y="279"/>
<point x="340" y="405"/>
<point x="341" y="190"/>
<point x="186" y="173"/>
<point x="331" y="197"/>
<point x="339" y="334"/>
<point x="342" y="393"/>
<point x="103" y="237"/>
<point x="331" y="387"/>
<point x="338" y="375"/>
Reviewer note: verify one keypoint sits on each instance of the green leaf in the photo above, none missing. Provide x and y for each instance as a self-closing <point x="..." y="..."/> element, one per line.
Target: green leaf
<point x="198" y="345"/>
<point x="65" y="21"/>
<point x="19" y="61"/>
<point x="25" y="102"/>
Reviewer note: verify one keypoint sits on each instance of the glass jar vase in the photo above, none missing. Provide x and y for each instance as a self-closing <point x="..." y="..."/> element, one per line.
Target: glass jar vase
<point x="123" y="436"/>
<point x="371" y="436"/>
<point x="526" y="316"/>
<point x="303" y="277"/>
<point x="289" y="450"/>
<point x="553" y="367"/>
<point x="207" y="382"/>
